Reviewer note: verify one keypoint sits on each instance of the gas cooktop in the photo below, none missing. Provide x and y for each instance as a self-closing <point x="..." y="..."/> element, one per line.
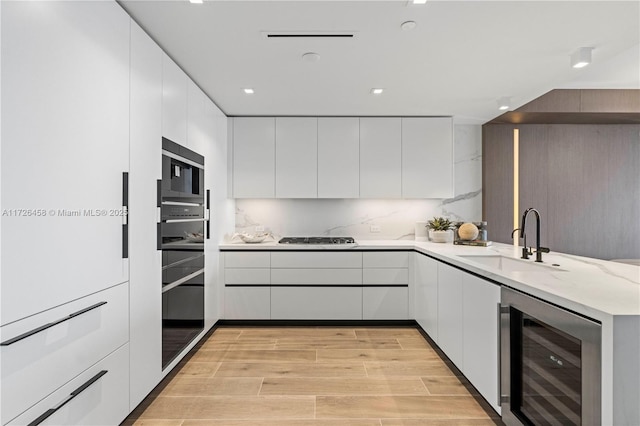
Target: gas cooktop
<point x="317" y="240"/>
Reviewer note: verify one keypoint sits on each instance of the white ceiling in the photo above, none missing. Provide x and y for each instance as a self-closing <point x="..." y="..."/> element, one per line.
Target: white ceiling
<point x="461" y="57"/>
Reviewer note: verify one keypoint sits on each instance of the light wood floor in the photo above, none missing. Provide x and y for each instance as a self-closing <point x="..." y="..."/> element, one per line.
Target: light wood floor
<point x="314" y="376"/>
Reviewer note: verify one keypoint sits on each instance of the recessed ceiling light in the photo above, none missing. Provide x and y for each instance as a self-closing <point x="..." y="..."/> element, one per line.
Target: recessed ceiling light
<point x="581" y="57"/>
<point x="504" y="103"/>
<point x="408" y="25"/>
<point x="311" y="57"/>
<point x="248" y="91"/>
<point x="419" y="1"/>
<point x="196" y="1"/>
<point x="377" y="91"/>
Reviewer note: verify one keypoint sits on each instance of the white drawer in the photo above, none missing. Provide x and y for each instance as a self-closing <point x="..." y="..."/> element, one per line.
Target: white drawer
<point x="316" y="276"/>
<point x="296" y="259"/>
<point x="247" y="276"/>
<point x="385" y="276"/>
<point x="319" y="303"/>
<point x="247" y="303"/>
<point x="385" y="303"/>
<point x="386" y="259"/>
<point x="103" y="402"/>
<point x="247" y="260"/>
<point x="37" y="365"/>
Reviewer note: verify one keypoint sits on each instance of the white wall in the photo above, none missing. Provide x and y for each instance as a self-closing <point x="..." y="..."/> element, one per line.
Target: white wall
<point x="353" y="217"/>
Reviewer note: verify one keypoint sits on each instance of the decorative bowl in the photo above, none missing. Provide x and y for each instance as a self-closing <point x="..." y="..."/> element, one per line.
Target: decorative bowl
<point x="252" y="239"/>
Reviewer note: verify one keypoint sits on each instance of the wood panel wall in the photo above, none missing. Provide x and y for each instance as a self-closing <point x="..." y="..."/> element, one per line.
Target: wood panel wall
<point x="584" y="180"/>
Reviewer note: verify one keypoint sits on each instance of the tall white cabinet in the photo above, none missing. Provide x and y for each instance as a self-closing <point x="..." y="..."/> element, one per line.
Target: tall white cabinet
<point x="254" y="167"/>
<point x="145" y="258"/>
<point x="174" y="101"/>
<point x="65" y="147"/>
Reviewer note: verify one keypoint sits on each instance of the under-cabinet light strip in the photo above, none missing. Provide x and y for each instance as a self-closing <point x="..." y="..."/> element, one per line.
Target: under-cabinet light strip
<point x="516" y="185"/>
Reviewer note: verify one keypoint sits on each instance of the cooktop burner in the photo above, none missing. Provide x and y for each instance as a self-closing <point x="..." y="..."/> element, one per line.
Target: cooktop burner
<point x="317" y="240"/>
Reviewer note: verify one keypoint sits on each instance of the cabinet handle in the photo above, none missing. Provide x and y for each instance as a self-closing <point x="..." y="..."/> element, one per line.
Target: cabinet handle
<point x="72" y="395"/>
<point x="208" y="213"/>
<point x="159" y="220"/>
<point x="51" y="324"/>
<point x="125" y="217"/>
<point x="503" y="313"/>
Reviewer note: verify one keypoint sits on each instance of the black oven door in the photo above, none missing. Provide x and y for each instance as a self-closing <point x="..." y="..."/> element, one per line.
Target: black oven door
<point x="550" y="364"/>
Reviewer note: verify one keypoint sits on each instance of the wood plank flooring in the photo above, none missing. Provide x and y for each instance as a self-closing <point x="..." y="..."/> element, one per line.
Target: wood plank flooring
<point x="314" y="376"/>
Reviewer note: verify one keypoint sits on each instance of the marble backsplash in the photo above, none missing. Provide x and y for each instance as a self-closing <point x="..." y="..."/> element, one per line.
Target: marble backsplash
<point x="395" y="219"/>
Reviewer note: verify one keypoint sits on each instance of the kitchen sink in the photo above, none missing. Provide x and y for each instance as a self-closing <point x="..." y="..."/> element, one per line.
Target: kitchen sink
<point x="509" y="264"/>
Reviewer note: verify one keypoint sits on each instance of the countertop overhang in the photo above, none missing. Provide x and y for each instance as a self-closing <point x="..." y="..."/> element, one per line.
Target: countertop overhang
<point x="595" y="288"/>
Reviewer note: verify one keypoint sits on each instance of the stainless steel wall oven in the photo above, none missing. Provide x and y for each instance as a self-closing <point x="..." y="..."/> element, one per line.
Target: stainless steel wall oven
<point x="181" y="238"/>
<point x="550" y="364"/>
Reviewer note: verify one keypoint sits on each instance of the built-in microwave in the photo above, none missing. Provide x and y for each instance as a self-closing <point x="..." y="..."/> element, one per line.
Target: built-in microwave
<point x="182" y="173"/>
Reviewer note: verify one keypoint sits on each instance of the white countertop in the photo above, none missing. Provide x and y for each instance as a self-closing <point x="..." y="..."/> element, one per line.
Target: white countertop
<point x="592" y="287"/>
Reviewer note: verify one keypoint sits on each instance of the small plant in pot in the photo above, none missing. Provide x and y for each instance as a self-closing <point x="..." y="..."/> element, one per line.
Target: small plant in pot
<point x="440" y="229"/>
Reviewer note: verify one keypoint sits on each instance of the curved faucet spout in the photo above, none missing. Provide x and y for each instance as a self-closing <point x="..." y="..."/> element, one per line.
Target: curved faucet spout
<point x="539" y="250"/>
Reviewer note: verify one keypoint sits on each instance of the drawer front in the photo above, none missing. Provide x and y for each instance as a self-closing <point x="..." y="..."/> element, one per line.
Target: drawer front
<point x="247" y="303"/>
<point x="39" y="364"/>
<point x="385" y="276"/>
<point x="330" y="303"/>
<point x="316" y="276"/>
<point x="296" y="259"/>
<point x="104" y="402"/>
<point x="247" y="260"/>
<point x="385" y="259"/>
<point x="385" y="303"/>
<point x="247" y="276"/>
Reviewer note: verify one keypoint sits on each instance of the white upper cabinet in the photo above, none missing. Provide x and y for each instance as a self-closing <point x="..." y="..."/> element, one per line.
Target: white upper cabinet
<point x="254" y="149"/>
<point x="296" y="157"/>
<point x="338" y="157"/>
<point x="380" y="158"/>
<point x="427" y="157"/>
<point x="174" y="102"/>
<point x="65" y="146"/>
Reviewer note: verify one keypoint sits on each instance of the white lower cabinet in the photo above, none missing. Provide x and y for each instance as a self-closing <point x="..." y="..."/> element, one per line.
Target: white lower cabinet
<point x="58" y="345"/>
<point x="385" y="303"/>
<point x="450" y="313"/>
<point x="318" y="303"/>
<point x="426" y="294"/>
<point x="481" y="331"/>
<point x="101" y="396"/>
<point x="247" y="302"/>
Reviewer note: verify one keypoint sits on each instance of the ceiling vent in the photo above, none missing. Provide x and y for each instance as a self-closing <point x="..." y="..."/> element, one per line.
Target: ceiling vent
<point x="275" y="35"/>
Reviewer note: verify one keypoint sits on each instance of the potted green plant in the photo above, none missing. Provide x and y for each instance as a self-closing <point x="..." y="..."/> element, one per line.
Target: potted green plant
<point x="440" y="229"/>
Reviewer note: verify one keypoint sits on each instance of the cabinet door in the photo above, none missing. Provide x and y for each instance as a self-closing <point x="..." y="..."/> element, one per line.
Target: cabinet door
<point x="450" y="313"/>
<point x="385" y="303"/>
<point x="338" y="157"/>
<point x="380" y="158"/>
<point x="427" y="157"/>
<point x="197" y="126"/>
<point x="318" y="303"/>
<point x="480" y="315"/>
<point x="296" y="157"/>
<point x="254" y="157"/>
<point x="174" y="101"/>
<point x="146" y="169"/>
<point x="247" y="303"/>
<point x="426" y="294"/>
<point x="65" y="146"/>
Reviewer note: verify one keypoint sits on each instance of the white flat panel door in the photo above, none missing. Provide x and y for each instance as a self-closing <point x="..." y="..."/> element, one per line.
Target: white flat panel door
<point x="197" y="126"/>
<point x="481" y="336"/>
<point x="328" y="259"/>
<point x="450" y="313"/>
<point x="385" y="303"/>
<point x="316" y="276"/>
<point x="426" y="294"/>
<point x="65" y="146"/>
<point x="247" y="276"/>
<point x="247" y="303"/>
<point x="146" y="261"/>
<point x="174" y="102"/>
<point x="380" y="158"/>
<point x="330" y="303"/>
<point x="427" y="157"/>
<point x="388" y="276"/>
<point x="254" y="151"/>
<point x="247" y="260"/>
<point x="338" y="157"/>
<point x="296" y="157"/>
<point x="388" y="259"/>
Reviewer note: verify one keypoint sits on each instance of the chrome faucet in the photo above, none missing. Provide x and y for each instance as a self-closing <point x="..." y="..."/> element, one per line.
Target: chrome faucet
<point x="526" y="251"/>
